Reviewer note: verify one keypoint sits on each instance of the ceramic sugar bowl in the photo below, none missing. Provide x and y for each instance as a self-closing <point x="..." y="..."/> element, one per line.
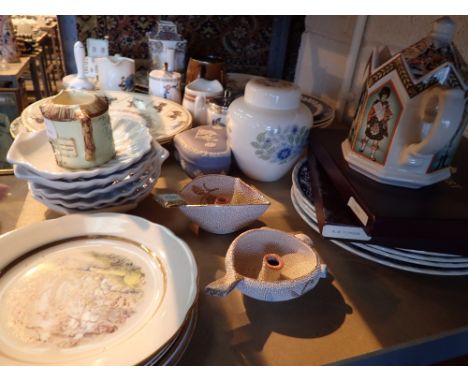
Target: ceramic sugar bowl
<point x="268" y="128"/>
<point x="270" y="265"/>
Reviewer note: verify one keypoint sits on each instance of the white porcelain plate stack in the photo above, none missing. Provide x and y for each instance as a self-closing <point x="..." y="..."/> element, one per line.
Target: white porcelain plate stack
<point x="412" y="260"/>
<point x="322" y="112"/>
<point x="99" y="289"/>
<point x="118" y="185"/>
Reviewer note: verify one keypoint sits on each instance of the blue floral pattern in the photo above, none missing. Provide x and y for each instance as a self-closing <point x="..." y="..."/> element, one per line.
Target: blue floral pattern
<point x="280" y="145"/>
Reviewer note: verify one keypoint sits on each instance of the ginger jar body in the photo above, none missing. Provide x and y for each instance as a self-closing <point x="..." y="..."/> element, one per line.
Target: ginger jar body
<point x="268" y="128"/>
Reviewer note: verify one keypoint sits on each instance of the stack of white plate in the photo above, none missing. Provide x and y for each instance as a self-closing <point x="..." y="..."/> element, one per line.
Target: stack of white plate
<point x="418" y="261"/>
<point x="322" y="112"/>
<point x="99" y="289"/>
<point x="116" y="185"/>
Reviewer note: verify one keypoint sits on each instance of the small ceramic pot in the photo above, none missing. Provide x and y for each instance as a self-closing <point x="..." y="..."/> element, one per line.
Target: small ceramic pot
<point x="268" y="128"/>
<point x="222" y="204"/>
<point x="165" y="84"/>
<point x="296" y="271"/>
<point x="79" y="129"/>
<point x="203" y="150"/>
<point x="196" y="96"/>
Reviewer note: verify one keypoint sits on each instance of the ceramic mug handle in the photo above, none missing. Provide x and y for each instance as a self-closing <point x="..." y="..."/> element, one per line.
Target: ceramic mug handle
<point x="305" y="239"/>
<point x="87" y="131"/>
<point x="449" y="105"/>
<point x="199" y="109"/>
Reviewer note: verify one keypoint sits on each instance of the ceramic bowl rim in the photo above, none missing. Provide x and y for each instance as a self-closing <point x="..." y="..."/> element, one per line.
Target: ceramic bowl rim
<point x="266" y="203"/>
<point x="229" y="261"/>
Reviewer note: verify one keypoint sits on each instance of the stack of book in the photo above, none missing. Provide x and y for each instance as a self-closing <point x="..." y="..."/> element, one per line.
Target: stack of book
<point x="421" y="230"/>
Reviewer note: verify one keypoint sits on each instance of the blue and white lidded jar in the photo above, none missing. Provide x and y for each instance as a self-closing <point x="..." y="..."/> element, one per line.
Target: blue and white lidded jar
<point x="268" y="128"/>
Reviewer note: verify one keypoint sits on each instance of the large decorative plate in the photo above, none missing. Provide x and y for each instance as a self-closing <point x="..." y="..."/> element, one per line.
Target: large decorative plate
<point x="164" y="118"/>
<point x="102" y="289"/>
<point x="131" y="140"/>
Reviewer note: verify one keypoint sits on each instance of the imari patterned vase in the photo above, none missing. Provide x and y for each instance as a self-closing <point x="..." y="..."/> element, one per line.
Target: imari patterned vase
<point x="268" y="128"/>
<point x="412" y="112"/>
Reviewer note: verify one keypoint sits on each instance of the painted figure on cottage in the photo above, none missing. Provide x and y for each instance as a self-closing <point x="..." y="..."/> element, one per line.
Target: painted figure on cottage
<point x="377" y="122"/>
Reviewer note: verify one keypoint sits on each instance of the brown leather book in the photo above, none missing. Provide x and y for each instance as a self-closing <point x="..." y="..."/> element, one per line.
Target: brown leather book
<point x="334" y="219"/>
<point x="435" y="214"/>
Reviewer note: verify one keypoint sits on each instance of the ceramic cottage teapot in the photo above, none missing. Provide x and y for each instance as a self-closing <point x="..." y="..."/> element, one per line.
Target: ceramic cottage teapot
<point x="412" y="112"/>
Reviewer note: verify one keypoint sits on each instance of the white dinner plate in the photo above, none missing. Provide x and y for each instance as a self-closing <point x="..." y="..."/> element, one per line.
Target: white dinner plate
<point x="131" y="139"/>
<point x="124" y="203"/>
<point x="157" y="155"/>
<point x="113" y="185"/>
<point x="165" y="118"/>
<point x="102" y="289"/>
<point x="147" y="179"/>
<point x="363" y="252"/>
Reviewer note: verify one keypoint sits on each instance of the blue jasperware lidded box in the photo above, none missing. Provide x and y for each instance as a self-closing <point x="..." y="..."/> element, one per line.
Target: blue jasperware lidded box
<point x="203" y="150"/>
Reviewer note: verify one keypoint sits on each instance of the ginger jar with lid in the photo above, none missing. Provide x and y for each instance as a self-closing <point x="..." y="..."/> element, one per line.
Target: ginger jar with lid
<point x="268" y="128"/>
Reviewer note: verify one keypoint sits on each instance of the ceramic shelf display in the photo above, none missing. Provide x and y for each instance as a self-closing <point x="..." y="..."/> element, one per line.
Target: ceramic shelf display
<point x="412" y="112"/>
<point x="268" y="128"/>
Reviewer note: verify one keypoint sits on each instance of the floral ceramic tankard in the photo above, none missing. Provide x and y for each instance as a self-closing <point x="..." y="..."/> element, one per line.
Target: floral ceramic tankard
<point x="79" y="129"/>
<point x="412" y="112"/>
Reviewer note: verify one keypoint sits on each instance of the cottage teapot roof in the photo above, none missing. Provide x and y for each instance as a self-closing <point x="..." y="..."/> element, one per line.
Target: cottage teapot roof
<point x="430" y="61"/>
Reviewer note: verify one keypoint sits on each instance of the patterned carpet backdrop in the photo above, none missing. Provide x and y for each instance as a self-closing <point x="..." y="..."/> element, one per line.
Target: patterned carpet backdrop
<point x="243" y="41"/>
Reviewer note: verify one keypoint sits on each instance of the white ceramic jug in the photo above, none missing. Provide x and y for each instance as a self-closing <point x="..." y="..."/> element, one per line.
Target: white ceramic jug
<point x="196" y="96"/>
<point x="116" y="73"/>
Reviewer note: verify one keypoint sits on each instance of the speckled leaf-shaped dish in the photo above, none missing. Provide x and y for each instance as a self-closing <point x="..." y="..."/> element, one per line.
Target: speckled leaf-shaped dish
<point x="222" y="204"/>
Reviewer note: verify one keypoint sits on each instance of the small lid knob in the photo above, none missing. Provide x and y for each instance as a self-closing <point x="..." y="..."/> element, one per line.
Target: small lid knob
<point x="272" y="94"/>
<point x="443" y="30"/>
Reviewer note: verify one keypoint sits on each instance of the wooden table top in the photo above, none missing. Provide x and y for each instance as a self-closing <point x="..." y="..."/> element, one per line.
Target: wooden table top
<point x="15" y="69"/>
